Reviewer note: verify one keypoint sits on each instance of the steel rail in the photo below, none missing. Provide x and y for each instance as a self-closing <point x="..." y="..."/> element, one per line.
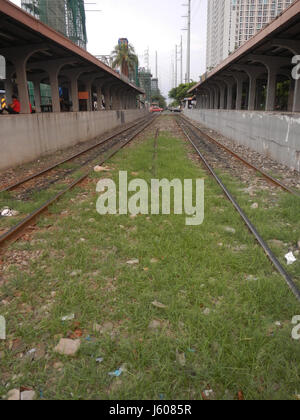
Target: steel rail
<point x="247" y="163"/>
<point x="17" y="231"/>
<point x="291" y="284"/>
<point x="74" y="156"/>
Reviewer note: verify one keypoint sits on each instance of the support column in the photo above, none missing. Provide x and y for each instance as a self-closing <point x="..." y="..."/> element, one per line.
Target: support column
<point x="222" y="89"/>
<point x="296" y="106"/>
<point x="216" y="98"/>
<point x="122" y="99"/>
<point x="99" y="96"/>
<point x="133" y="100"/>
<point x="53" y="76"/>
<point x="198" y="100"/>
<point x="8" y="86"/>
<point x="291" y="95"/>
<point x="88" y="85"/>
<point x="74" y="94"/>
<point x="37" y="95"/>
<point x="201" y="102"/>
<point x="229" y="95"/>
<point x="222" y="97"/>
<point x="271" y="89"/>
<point x="115" y="99"/>
<point x="107" y="98"/>
<point x="206" y="102"/>
<point x="239" y="95"/>
<point x="22" y="85"/>
<point x="240" y="79"/>
<point x="252" y="92"/>
<point x="211" y="98"/>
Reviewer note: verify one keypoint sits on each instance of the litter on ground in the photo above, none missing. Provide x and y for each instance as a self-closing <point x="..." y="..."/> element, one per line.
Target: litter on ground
<point x="290" y="258"/>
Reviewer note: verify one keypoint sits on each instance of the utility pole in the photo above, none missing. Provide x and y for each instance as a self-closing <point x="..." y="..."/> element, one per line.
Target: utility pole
<point x="156" y="66"/>
<point x="181" y="61"/>
<point x="188" y="29"/>
<point x="176" y="65"/>
<point x="188" y="65"/>
<point x="173" y="72"/>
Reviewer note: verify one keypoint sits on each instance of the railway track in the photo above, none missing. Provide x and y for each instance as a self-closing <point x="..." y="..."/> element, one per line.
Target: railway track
<point x="118" y="141"/>
<point x="220" y="146"/>
<point x="195" y="138"/>
<point x="42" y="179"/>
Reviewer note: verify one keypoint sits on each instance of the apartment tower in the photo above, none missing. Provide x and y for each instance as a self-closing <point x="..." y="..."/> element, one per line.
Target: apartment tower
<point x="232" y="22"/>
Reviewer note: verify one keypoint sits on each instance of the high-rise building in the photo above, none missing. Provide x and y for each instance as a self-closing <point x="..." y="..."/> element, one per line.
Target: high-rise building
<point x="65" y="16"/>
<point x="145" y="78"/>
<point x="219" y="21"/>
<point x="154" y="87"/>
<point x="232" y="22"/>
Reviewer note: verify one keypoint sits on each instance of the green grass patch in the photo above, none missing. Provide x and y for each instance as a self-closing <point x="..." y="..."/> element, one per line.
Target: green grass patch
<point x="219" y="317"/>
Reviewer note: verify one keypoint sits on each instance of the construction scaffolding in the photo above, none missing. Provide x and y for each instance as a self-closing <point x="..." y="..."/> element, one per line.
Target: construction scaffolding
<point x="144" y="77"/>
<point x="65" y="16"/>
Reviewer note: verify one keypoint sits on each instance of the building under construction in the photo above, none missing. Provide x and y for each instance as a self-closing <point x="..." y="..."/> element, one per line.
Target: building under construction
<point x="145" y="77"/>
<point x="65" y="16"/>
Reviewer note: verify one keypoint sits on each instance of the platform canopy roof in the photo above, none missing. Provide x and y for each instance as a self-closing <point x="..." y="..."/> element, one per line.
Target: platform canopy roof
<point x="19" y="29"/>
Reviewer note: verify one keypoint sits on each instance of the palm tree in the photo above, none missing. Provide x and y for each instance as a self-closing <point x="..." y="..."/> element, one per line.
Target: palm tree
<point x="124" y="56"/>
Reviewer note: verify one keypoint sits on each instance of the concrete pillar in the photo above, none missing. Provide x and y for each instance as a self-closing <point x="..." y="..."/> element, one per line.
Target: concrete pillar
<point x="74" y="94"/>
<point x="122" y="99"/>
<point x="206" y="102"/>
<point x="99" y="96"/>
<point x="53" y="76"/>
<point x="73" y="76"/>
<point x="229" y="96"/>
<point x="296" y="105"/>
<point x="222" y="97"/>
<point x="239" y="78"/>
<point x="201" y="104"/>
<point x="8" y="86"/>
<point x="107" y="97"/>
<point x="291" y="95"/>
<point x="239" y="94"/>
<point x="211" y="98"/>
<point x="216" y="97"/>
<point x="115" y="98"/>
<point x="252" y="92"/>
<point x="133" y="101"/>
<point x="88" y="86"/>
<point x="271" y="89"/>
<point x="37" y="95"/>
<point x="22" y="85"/>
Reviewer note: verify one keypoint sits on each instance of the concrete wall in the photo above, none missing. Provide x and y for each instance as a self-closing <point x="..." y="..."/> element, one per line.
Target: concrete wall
<point x="24" y="138"/>
<point x="274" y="135"/>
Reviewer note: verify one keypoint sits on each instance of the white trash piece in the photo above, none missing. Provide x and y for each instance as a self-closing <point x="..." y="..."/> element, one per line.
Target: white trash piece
<point x="68" y="317"/>
<point x="7" y="212"/>
<point x="290" y="258"/>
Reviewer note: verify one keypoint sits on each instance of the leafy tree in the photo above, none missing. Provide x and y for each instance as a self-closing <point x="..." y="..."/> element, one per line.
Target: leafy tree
<point x="124" y="56"/>
<point x="160" y="99"/>
<point x="181" y="92"/>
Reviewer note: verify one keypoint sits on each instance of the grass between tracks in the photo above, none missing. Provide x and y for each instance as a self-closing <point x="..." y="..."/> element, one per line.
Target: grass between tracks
<point x="223" y="297"/>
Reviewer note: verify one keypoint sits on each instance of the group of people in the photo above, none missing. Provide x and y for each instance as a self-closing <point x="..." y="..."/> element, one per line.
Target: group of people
<point x="14" y="108"/>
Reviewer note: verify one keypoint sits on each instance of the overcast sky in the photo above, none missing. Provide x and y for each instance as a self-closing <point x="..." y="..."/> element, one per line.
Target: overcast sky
<point x="155" y="24"/>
